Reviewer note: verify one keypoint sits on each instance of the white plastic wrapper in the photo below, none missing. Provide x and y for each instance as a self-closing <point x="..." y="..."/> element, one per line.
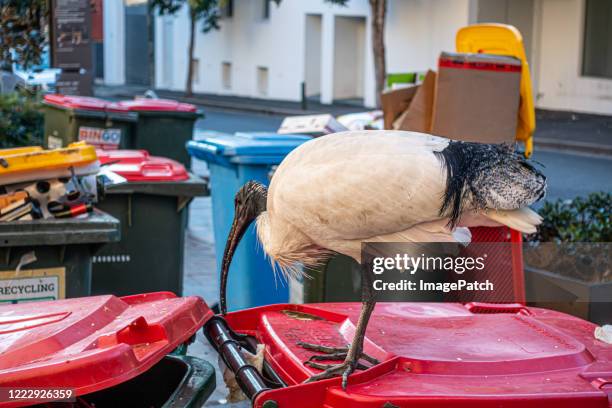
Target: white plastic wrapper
<point x="372" y="120"/>
<point x="604" y="333"/>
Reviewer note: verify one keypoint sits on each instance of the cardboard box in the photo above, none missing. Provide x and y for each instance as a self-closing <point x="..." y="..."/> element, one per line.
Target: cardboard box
<point x="477" y="98"/>
<point x="417" y="117"/>
<point x="394" y="102"/>
<point x="313" y="125"/>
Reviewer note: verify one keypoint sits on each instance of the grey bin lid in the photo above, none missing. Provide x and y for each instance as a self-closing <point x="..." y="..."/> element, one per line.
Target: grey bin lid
<point x="193" y="187"/>
<point x="97" y="228"/>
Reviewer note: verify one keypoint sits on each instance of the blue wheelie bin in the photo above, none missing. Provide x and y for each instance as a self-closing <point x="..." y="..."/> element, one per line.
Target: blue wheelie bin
<point x="232" y="161"/>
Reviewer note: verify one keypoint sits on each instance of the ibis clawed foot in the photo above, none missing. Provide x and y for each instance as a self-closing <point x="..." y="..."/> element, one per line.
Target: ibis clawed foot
<point x="354" y="352"/>
<point x="333" y="353"/>
<point x="334" y="370"/>
<point x="343" y="369"/>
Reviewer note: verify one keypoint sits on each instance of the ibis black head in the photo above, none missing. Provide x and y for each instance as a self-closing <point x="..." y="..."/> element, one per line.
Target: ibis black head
<point x="249" y="202"/>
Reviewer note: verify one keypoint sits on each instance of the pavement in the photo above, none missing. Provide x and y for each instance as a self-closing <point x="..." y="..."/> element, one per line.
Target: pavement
<point x="573" y="132"/>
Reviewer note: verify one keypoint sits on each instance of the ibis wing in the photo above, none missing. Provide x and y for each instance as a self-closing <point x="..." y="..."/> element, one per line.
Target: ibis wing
<point x="360" y="184"/>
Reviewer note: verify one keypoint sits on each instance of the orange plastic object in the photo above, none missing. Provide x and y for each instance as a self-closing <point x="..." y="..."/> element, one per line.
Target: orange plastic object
<point x="31" y="159"/>
<point x="503" y="39"/>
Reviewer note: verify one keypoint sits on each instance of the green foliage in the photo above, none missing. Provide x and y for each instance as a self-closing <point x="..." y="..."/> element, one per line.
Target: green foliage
<point x="21" y="122"/>
<point x="583" y="219"/>
<point x="22" y="31"/>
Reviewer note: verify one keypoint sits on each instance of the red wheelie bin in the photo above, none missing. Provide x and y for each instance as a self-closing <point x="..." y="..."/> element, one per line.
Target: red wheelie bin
<point x="103" y="351"/>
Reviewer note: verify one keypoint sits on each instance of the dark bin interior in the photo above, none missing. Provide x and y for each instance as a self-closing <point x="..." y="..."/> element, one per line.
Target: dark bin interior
<point x="176" y="381"/>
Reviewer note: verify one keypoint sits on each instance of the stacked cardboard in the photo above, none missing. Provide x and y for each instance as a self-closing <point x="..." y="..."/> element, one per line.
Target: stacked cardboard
<point x="472" y="97"/>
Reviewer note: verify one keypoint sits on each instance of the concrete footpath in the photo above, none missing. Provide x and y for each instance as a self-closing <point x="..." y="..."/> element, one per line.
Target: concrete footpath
<point x="575" y="132"/>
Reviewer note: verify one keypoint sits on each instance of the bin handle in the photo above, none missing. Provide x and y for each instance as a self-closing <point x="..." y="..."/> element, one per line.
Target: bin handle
<point x="223" y="339"/>
<point x="156" y="169"/>
<point x="490" y="308"/>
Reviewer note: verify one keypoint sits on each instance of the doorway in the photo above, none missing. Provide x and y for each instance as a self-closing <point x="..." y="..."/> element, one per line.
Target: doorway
<point x="312" y="56"/>
<point x="349" y="59"/>
<point x="138" y="43"/>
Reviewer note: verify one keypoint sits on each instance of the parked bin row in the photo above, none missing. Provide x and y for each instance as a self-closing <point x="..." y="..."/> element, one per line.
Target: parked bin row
<point x="134" y="237"/>
<point x="160" y="126"/>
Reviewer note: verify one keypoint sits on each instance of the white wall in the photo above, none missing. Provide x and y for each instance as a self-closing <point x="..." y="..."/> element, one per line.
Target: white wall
<point x="247" y="41"/>
<point x="418" y="30"/>
<point x="560" y="83"/>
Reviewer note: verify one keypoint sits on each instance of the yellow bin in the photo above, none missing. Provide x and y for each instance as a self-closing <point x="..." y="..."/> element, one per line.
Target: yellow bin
<point x="503" y="39"/>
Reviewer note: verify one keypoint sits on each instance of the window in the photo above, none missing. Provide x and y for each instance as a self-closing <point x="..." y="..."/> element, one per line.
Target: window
<point x="226" y="75"/>
<point x="597" y="57"/>
<point x="196" y="70"/>
<point x="266" y="9"/>
<point x="262" y="81"/>
<point x="226" y="8"/>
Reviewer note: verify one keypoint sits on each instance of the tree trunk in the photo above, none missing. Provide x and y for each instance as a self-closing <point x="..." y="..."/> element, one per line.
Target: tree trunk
<point x="192" y="28"/>
<point x="379" y="10"/>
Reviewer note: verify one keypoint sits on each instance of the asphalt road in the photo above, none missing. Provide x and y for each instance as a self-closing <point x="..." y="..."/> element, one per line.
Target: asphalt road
<point x="569" y="175"/>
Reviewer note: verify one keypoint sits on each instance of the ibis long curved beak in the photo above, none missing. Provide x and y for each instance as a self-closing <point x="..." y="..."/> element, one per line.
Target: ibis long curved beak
<point x="239" y="226"/>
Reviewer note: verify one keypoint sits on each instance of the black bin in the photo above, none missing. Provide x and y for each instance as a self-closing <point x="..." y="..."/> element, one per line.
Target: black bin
<point x="152" y="208"/>
<point x="51" y="259"/>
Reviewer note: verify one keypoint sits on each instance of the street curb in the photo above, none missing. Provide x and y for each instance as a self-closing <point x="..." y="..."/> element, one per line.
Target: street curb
<point x="573" y="146"/>
<point x="270" y="110"/>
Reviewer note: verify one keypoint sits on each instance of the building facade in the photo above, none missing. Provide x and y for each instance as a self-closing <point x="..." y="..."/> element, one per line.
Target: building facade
<point x="324" y="51"/>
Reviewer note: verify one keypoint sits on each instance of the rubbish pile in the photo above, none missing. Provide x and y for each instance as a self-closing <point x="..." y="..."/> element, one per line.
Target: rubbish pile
<point x="45" y="184"/>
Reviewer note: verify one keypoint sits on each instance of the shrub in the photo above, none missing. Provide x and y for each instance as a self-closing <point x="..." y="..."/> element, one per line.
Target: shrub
<point x="21" y="122"/>
<point x="583" y="219"/>
<point x="574" y="238"/>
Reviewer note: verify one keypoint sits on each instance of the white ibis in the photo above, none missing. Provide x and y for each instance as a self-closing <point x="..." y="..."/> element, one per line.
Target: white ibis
<point x="333" y="193"/>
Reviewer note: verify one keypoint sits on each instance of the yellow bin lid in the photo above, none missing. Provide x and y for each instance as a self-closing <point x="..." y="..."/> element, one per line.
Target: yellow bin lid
<point x="35" y="158"/>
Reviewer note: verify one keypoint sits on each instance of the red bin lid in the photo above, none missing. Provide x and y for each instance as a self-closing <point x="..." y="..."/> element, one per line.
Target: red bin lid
<point x="92" y="343"/>
<point x="436" y="354"/>
<point x="154" y="105"/>
<point x="76" y="102"/>
<point x="137" y="165"/>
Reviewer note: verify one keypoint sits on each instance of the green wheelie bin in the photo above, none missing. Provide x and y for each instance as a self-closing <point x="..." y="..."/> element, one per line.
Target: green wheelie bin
<point x="72" y="118"/>
<point x="164" y="126"/>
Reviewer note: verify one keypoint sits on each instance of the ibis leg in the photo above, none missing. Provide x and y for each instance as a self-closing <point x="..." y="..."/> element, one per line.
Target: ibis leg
<point x="355" y="350"/>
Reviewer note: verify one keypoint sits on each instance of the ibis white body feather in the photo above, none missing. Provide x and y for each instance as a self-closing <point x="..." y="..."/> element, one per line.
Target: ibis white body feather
<point x="337" y="191"/>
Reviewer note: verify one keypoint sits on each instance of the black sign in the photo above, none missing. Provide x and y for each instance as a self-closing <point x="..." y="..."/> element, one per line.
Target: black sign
<point x="71" y="34"/>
